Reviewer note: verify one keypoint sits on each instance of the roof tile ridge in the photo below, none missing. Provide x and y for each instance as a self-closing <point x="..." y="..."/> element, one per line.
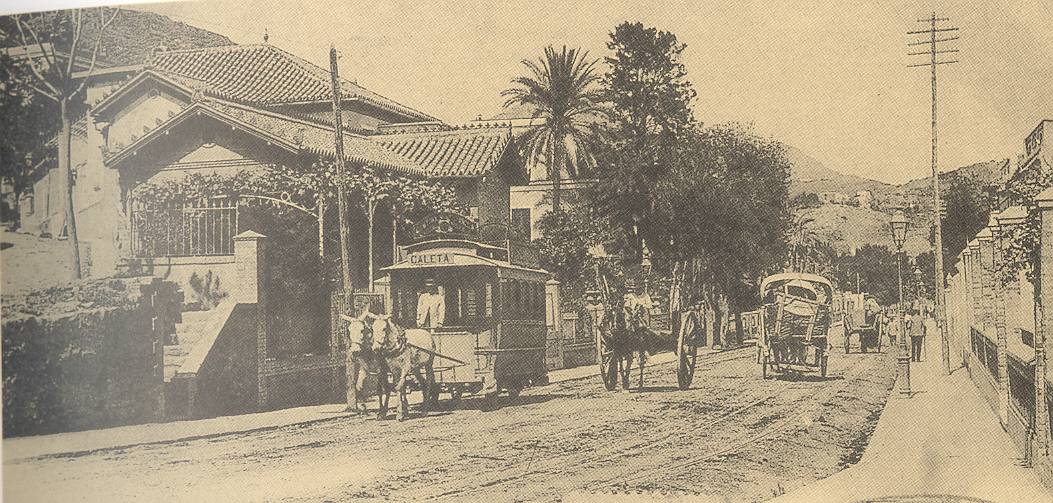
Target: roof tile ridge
<point x="286" y="117"/>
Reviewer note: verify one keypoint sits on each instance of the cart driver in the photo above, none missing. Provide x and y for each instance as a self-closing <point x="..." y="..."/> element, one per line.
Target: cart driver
<point x="637" y="303"/>
<point x="431" y="306"/>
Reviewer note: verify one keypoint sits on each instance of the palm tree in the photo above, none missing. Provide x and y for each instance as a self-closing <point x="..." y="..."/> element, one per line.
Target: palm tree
<point x="559" y="88"/>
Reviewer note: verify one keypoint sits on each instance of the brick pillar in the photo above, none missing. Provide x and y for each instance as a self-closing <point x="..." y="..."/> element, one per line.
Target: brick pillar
<point x="250" y="288"/>
<point x="1044" y="323"/>
<point x="975" y="285"/>
<point x="999" y="314"/>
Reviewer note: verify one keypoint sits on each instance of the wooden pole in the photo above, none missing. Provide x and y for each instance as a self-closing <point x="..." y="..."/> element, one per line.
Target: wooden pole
<point x="341" y="195"/>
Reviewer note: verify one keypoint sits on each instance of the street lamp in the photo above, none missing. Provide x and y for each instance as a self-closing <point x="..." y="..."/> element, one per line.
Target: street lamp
<point x="898" y="226"/>
<point x="917" y="286"/>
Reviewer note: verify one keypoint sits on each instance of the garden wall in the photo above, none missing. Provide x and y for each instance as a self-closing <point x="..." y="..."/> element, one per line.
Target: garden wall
<point x="85" y="357"/>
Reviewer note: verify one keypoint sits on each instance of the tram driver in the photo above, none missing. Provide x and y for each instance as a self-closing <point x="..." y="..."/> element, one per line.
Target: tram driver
<point x="431" y="306"/>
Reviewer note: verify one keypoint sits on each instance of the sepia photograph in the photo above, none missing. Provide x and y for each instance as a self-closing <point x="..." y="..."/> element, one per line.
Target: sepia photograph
<point x="713" y="251"/>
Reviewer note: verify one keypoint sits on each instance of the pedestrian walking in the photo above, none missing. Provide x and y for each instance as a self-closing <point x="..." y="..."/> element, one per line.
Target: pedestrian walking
<point x="916" y="329"/>
<point x="931" y="328"/>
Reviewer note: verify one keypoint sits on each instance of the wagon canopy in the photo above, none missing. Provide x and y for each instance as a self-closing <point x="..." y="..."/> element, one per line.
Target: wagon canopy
<point x="806" y="285"/>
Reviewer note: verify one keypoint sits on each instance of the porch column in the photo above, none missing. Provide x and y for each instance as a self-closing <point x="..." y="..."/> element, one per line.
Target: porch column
<point x="975" y="286"/>
<point x="250" y="288"/>
<point x="1002" y="338"/>
<point x="1044" y="323"/>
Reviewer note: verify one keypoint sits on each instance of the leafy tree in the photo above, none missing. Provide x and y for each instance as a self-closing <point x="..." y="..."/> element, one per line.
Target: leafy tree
<point x="875" y="268"/>
<point x="649" y="98"/>
<point x="560" y="89"/>
<point x="61" y="52"/>
<point x="30" y="121"/>
<point x="723" y="208"/>
<point x="806" y="200"/>
<point x="968" y="211"/>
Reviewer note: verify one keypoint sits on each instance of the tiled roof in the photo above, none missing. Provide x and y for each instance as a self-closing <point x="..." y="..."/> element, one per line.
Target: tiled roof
<point x="78" y="129"/>
<point x="266" y="75"/>
<point x="456" y="153"/>
<point x="293" y="133"/>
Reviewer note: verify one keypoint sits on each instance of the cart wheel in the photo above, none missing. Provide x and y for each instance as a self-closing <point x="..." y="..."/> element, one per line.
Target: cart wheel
<point x="608" y="361"/>
<point x="625" y="369"/>
<point x="688" y="352"/>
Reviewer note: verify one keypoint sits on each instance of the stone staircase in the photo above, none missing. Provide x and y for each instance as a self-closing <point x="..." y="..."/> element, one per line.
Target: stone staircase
<point x="188" y="334"/>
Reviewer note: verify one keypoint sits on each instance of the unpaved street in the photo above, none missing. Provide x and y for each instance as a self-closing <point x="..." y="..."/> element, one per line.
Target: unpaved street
<point x="732" y="435"/>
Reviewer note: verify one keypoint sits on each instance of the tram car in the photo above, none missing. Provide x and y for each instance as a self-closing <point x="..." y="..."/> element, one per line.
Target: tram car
<point x="494" y="331"/>
<point x="796" y="315"/>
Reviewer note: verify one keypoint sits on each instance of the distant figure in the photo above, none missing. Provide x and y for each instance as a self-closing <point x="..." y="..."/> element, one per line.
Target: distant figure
<point x="431" y="306"/>
<point x="916" y="329"/>
<point x="931" y="328"/>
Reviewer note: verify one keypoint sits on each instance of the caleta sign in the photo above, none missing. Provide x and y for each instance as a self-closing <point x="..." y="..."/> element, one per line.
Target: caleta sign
<point x="431" y="259"/>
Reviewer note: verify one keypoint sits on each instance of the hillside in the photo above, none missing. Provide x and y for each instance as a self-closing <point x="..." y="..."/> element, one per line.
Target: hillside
<point x="847" y="227"/>
<point x="809" y="175"/>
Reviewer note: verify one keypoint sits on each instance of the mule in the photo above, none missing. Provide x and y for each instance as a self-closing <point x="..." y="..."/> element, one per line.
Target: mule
<point x="361" y="362"/>
<point x="405" y="352"/>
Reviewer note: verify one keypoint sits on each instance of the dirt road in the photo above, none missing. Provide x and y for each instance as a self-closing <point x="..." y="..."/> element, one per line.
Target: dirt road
<point x="733" y="435"/>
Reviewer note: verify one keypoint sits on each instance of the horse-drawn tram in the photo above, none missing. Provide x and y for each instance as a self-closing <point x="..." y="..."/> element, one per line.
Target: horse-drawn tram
<point x="795" y="323"/>
<point x="484" y="304"/>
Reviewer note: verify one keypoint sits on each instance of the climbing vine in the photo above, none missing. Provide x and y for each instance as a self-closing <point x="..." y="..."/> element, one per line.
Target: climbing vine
<point x="1022" y="252"/>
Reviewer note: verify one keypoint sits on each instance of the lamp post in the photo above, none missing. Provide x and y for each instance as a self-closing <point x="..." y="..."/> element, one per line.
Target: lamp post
<point x="917" y="286"/>
<point x="898" y="226"/>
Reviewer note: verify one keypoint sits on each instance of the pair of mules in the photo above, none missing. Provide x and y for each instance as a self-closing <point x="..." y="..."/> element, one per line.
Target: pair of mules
<point x="376" y="344"/>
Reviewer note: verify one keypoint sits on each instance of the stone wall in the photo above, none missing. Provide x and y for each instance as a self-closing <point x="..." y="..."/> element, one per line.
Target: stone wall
<point x="81" y="362"/>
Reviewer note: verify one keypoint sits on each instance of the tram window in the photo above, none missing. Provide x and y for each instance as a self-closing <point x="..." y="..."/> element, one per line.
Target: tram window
<point x="488" y="303"/>
<point x="471" y="308"/>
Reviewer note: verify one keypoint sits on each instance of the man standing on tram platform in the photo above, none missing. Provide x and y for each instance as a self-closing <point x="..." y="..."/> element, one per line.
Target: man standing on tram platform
<point x="431" y="306"/>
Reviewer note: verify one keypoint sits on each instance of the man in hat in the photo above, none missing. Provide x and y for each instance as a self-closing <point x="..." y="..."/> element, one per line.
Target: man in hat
<point x="431" y="306"/>
<point x="637" y="303"/>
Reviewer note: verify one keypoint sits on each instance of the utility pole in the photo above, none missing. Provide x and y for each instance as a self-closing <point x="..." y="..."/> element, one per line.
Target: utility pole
<point x="341" y="193"/>
<point x="933" y="51"/>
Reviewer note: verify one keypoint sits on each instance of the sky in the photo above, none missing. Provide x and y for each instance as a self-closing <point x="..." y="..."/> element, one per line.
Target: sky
<point x="828" y="77"/>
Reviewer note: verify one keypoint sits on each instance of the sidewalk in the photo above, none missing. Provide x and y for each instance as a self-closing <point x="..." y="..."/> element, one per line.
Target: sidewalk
<point x="945" y="439"/>
<point x="126" y="436"/>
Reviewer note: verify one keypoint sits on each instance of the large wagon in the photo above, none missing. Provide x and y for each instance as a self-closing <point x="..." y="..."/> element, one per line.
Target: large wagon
<point x="494" y="332"/>
<point x="796" y="321"/>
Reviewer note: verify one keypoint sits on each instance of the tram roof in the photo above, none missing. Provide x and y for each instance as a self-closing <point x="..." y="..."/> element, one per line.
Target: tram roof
<point x="451" y="258"/>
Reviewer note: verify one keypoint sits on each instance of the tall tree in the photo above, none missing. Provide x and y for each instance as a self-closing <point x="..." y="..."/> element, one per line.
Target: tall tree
<point x="560" y="90"/>
<point x="649" y="99"/>
<point x="60" y="51"/>
<point x="29" y="123"/>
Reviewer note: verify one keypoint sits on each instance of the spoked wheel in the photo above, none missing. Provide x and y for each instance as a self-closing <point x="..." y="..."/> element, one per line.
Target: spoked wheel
<point x="608" y="364"/>
<point x="688" y="352"/>
<point x="625" y="370"/>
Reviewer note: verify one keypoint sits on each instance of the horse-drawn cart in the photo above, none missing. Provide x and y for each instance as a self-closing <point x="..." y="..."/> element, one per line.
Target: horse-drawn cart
<point x="795" y="321"/>
<point x="863" y="322"/>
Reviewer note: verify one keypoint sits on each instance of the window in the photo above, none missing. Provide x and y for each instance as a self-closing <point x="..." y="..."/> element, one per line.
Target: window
<point x="521" y="223"/>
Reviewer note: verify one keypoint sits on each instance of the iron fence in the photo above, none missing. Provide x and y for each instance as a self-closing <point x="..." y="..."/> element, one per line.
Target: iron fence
<point x="205" y="228"/>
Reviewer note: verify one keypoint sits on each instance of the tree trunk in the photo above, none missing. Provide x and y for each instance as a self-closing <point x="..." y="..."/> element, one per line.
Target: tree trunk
<point x="370" y="213"/>
<point x="555" y="170"/>
<point x="66" y="178"/>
